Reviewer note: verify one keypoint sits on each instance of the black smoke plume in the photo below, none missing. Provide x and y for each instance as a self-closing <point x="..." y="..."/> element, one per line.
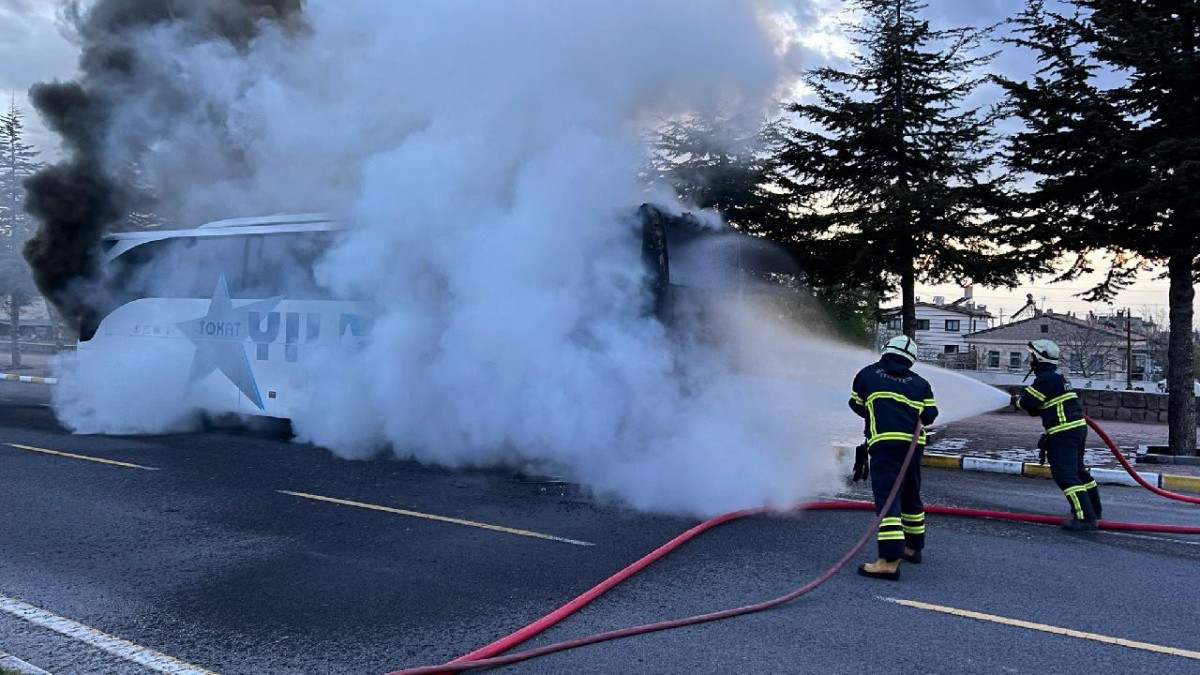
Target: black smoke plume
<point x="81" y="197"/>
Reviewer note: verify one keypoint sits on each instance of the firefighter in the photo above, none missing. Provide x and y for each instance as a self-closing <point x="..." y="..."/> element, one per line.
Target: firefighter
<point x="890" y="397"/>
<point x="1052" y="397"/>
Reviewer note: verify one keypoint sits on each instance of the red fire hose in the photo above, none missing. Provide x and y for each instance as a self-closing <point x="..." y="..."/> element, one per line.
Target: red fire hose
<point x="1137" y="477"/>
<point x="486" y="657"/>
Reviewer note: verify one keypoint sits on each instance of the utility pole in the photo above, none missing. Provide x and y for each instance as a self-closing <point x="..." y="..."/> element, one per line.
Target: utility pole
<point x="1128" y="351"/>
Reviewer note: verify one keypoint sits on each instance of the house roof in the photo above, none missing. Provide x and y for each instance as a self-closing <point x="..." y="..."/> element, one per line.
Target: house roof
<point x="1030" y="329"/>
<point x="958" y="306"/>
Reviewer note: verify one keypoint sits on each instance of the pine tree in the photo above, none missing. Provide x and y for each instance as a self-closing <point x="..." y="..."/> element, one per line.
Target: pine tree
<point x="1116" y="166"/>
<point x="717" y="163"/>
<point x="18" y="160"/>
<point x="893" y="176"/>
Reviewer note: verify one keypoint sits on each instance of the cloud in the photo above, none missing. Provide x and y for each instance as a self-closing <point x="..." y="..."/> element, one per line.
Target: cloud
<point x="32" y="49"/>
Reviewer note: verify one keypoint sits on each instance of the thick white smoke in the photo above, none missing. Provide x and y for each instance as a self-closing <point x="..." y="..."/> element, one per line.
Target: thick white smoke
<point x="484" y="153"/>
<point x="513" y="327"/>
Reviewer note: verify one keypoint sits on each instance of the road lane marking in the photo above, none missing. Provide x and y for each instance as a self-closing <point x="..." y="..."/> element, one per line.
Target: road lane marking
<point x="83" y="457"/>
<point x="1150" y="537"/>
<point x="443" y="519"/>
<point x="119" y="647"/>
<point x="1046" y="628"/>
<point x="18" y="666"/>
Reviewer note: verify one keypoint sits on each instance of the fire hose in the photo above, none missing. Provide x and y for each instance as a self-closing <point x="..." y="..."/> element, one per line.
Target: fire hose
<point x="1132" y="472"/>
<point x="489" y="656"/>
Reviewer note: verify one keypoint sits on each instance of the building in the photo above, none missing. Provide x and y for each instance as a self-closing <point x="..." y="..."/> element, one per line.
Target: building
<point x="941" y="329"/>
<point x="1090" y="349"/>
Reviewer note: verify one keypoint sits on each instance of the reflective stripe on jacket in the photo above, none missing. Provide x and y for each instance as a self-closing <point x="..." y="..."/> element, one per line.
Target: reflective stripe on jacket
<point x="891" y="398"/>
<point x="1052" y="397"/>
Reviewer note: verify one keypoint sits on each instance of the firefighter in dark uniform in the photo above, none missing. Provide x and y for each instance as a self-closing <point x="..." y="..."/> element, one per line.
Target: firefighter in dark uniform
<point x="1052" y="397"/>
<point x="891" y="398"/>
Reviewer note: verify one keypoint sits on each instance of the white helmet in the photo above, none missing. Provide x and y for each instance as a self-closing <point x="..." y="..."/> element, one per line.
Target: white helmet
<point x="902" y="346"/>
<point x="1044" y="351"/>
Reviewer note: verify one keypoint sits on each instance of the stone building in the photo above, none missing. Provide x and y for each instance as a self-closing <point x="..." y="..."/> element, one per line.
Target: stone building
<point x="1090" y="348"/>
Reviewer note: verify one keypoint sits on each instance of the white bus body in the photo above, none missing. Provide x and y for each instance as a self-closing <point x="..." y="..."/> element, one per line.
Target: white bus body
<point x="227" y="312"/>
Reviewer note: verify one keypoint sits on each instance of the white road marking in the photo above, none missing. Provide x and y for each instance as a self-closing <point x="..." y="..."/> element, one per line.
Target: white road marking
<point x="118" y="647"/>
<point x="18" y="666"/>
<point x="1150" y="537"/>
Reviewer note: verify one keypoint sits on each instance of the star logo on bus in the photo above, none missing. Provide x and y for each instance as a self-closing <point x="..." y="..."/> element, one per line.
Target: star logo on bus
<point x="220" y="337"/>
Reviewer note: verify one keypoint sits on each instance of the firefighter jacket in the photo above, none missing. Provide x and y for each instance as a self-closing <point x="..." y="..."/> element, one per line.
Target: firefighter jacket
<point x="1052" y="397"/>
<point x="890" y="397"/>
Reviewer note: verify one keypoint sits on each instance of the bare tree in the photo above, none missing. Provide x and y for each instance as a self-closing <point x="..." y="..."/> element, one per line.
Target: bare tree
<point x="1091" y="349"/>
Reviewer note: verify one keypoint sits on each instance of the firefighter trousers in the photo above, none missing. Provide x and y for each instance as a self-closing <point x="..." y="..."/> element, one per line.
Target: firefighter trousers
<point x="904" y="523"/>
<point x="1064" y="451"/>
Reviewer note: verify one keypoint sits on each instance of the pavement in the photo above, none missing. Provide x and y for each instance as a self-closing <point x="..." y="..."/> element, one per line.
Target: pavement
<point x="1005" y="442"/>
<point x="998" y="442"/>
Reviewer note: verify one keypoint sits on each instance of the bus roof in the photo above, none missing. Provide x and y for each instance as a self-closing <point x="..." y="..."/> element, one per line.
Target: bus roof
<point x="121" y="242"/>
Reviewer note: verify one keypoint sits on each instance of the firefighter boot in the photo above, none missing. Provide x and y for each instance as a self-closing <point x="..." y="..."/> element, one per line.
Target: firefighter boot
<point x="1077" y="525"/>
<point x="881" y="569"/>
<point x="912" y="555"/>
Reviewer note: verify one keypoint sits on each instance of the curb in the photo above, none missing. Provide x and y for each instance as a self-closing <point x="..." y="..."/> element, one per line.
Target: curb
<point x="1015" y="468"/>
<point x="35" y="379"/>
<point x="17" y="665"/>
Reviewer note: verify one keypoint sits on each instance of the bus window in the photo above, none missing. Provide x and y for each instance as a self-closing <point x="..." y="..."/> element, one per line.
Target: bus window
<point x="181" y="267"/>
<point x="283" y="265"/>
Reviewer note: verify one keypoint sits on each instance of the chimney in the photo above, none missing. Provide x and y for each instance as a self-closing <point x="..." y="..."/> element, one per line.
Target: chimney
<point x="968" y="291"/>
<point x="939" y="300"/>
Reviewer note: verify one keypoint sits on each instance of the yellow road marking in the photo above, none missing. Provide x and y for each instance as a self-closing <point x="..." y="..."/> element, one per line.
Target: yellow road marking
<point x="431" y="516"/>
<point x="83" y="457"/>
<point x="1046" y="628"/>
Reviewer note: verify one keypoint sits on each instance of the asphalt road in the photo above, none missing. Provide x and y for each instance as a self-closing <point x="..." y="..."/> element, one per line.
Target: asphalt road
<point x="190" y="548"/>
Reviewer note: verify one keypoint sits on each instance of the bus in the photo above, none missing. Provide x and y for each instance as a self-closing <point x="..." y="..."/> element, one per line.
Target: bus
<point x="236" y="299"/>
<point x="233" y="307"/>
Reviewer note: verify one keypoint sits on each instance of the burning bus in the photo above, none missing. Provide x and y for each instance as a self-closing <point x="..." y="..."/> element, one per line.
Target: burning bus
<point x="235" y="310"/>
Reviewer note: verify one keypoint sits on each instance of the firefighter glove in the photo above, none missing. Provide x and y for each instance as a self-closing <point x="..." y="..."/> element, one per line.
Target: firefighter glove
<point x="1043" y="441"/>
<point x="862" y="465"/>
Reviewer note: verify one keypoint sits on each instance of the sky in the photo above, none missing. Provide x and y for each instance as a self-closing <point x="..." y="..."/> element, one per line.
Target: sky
<point x="33" y="48"/>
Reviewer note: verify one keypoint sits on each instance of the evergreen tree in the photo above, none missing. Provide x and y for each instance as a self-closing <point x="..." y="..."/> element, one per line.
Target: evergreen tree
<point x="713" y="162"/>
<point x="1116" y="166"/>
<point x="18" y="160"/>
<point x="893" y="176"/>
